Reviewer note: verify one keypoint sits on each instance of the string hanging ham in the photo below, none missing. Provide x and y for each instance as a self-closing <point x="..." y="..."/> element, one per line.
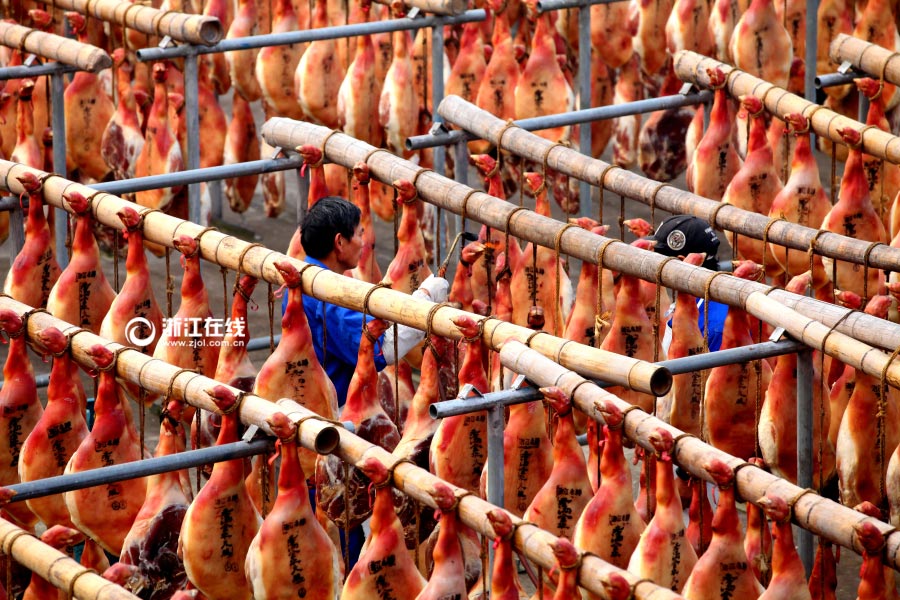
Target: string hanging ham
<point x="724" y="565"/>
<point x="385" y="568"/>
<point x="700" y="516"/>
<point x="559" y="503"/>
<point x="609" y="36"/>
<point x="734" y="392"/>
<point x="152" y="541"/>
<point x="293" y="370"/>
<point x="277" y="564"/>
<point x="409" y="267"/>
<point x="501" y="74"/>
<point x="82" y="295"/>
<point x="123" y="139"/>
<point x="610" y="526"/>
<point x="788" y="580"/>
<point x="398" y="107"/>
<point x="241" y="62"/>
<point x="34" y="270"/>
<point x="468" y="70"/>
<point x="276" y="65"/>
<point x="448" y="577"/>
<point x="854" y="216"/>
<point x="27" y="149"/>
<point x="758" y="539"/>
<point x="106" y="512"/>
<point x="715" y="162"/>
<point x="650" y="39"/>
<point x="319" y="74"/>
<point x="367" y="270"/>
<point x="20" y="410"/>
<point x="504" y="581"/>
<point x="883" y="178"/>
<point x="875" y="23"/>
<point x="661" y="149"/>
<point x="360" y="91"/>
<point x="585" y="325"/>
<point x="627" y="129"/>
<point x="221" y="522"/>
<point x="761" y="46"/>
<point x="59" y="430"/>
<point x="688" y="28"/>
<point x="241" y="145"/>
<point x="663" y="553"/>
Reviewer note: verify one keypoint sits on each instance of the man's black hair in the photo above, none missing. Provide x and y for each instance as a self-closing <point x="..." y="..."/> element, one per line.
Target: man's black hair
<point x="329" y="216"/>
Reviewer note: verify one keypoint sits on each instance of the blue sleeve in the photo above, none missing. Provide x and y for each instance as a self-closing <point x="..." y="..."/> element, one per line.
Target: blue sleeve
<point x="717" y="314"/>
<point x="344" y="332"/>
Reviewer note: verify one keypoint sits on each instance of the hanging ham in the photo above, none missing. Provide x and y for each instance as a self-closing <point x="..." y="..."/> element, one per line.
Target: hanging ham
<point x="367" y="270"/>
<point x="60" y="538"/>
<point x="761" y="46"/>
<point x="802" y="201"/>
<point x="823" y="579"/>
<point x="279" y="562"/>
<point x="123" y="139"/>
<point x="661" y="149"/>
<point x="106" y="512"/>
<point x="875" y="23"/>
<point x="357" y="98"/>
<point x="319" y="74"/>
<point x="59" y="430"/>
<point x="88" y="109"/>
<point x="833" y="18"/>
<point x="609" y="35"/>
<point x="854" y="216"/>
<point x="152" y="542"/>
<point x="788" y="580"/>
<point x="20" y="410"/>
<point x="293" y="371"/>
<point x="715" y="161"/>
<point x="688" y="28"/>
<point x="233" y="366"/>
<point x="650" y="40"/>
<point x="448" y="579"/>
<point x="700" y="516"/>
<point x="610" y="526"/>
<point x="276" y="65"/>
<point x="734" y="393"/>
<point x="409" y="268"/>
<point x="504" y="580"/>
<point x="27" y="149"/>
<point x="385" y="568"/>
<point x="469" y="68"/>
<point x="755" y="185"/>
<point x="34" y="270"/>
<point x="496" y="88"/>
<point x="241" y="62"/>
<point x="883" y="177"/>
<point x="627" y="129"/>
<point x="559" y="503"/>
<point x="585" y="325"/>
<point x="161" y="152"/>
<point x="758" y="539"/>
<point x="398" y="108"/>
<point x="221" y="522"/>
<point x="241" y="145"/>
<point x="724" y="565"/>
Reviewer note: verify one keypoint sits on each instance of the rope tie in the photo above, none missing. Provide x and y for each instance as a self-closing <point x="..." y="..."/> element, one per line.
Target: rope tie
<point x="656" y="316"/>
<point x="415" y="180"/>
<point x="713" y="218"/>
<point x="601" y="318"/>
<point x="869" y="249"/>
<point x="429" y="328"/>
<point x="547" y="152"/>
<point x="577" y="385"/>
<point x="793" y="502"/>
<point x="653" y="201"/>
<point x="632" y="593"/>
<point x="25" y="37"/>
<point x="602" y="186"/>
<point x="71" y="590"/>
<point x="200" y="234"/>
<point x="394" y="466"/>
<point x="478" y="335"/>
<point x="142" y="216"/>
<point x="25" y="316"/>
<point x="733" y="482"/>
<point x="557" y="242"/>
<point x="112" y="365"/>
<point x="236" y="407"/>
<point x="156" y="21"/>
<point x="465" y="206"/>
<point x="509" y="219"/>
<point x="458" y="495"/>
<point x="884" y="67"/>
<point x="532" y="336"/>
<point x="368" y="295"/>
<point x="678" y="438"/>
<point x="371" y="153"/>
<point x="325" y="142"/>
<point x="506" y="127"/>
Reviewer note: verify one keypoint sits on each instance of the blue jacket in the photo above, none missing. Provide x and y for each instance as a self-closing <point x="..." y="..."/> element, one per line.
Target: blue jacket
<point x="717" y="314"/>
<point x="341" y="328"/>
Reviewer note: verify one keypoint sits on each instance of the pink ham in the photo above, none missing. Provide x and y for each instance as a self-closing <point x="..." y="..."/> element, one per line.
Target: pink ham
<point x="367" y="270"/>
<point x="241" y="145"/>
<point x="241" y="62"/>
<point x="123" y="139"/>
<point x="161" y="152"/>
<point x="276" y="65"/>
<point x="409" y="268"/>
<point x="788" y="580"/>
<point x="319" y="74"/>
<point x="715" y="162"/>
<point x="760" y="45"/>
<point x="398" y="107"/>
<point x="358" y="96"/>
<point x="448" y="577"/>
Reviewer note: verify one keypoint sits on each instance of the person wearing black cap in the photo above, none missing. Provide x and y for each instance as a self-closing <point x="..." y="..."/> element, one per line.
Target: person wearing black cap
<point x="678" y="236"/>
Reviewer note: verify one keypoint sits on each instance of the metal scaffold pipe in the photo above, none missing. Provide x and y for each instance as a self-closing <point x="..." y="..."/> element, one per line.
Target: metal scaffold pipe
<point x="312" y="35"/>
<point x="812" y="512"/>
<point x="21" y="71"/>
<point x="236" y="254"/>
<point x="779" y="307"/>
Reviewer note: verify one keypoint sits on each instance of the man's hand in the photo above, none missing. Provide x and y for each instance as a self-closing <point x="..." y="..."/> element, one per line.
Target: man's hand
<point x="433" y="288"/>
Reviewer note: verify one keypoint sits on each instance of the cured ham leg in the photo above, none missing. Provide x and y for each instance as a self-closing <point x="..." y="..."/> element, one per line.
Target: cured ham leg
<point x="88" y="109"/>
<point x="504" y="581"/>
<point x="788" y="579"/>
<point x="468" y="71"/>
<point x="496" y="91"/>
<point x="650" y="40"/>
<point x="756" y="184"/>
<point x="459" y="447"/>
<point x="221" y="522"/>
<point x="859" y="451"/>
<point x="559" y="503"/>
<point x="368" y="269"/>
<point x="409" y="268"/>
<point x="358" y="96"/>
<point x="291" y="556"/>
<point x="823" y="579"/>
<point x="135" y="306"/>
<point x="319" y="74"/>
<point x="584" y="325"/>
<point x="700" y="516"/>
<point x="627" y="129"/>
<point x="233" y="366"/>
<point x="398" y="107"/>
<point x="542" y="88"/>
<point x="58" y="432"/>
<point x="152" y="542"/>
<point x="631" y="333"/>
<point x="123" y="139"/>
<point x="688" y="28"/>
<point x="609" y="35"/>
<point x="758" y="540"/>
<point x="384" y="566"/>
<point x="35" y="270"/>
<point x="106" y="512"/>
<point x="345" y="499"/>
<point x="663" y="553"/>
<point x="276" y="65"/>
<point x="448" y="579"/>
<point x="833" y="18"/>
<point x="761" y="46"/>
<point x="802" y="200"/>
<point x="161" y="152"/>
<point x="610" y="526"/>
<point x="731" y="390"/>
<point x="875" y="23"/>
<point x="293" y="371"/>
<point x="241" y="63"/>
<point x="661" y="149"/>
<point x="715" y="162"/>
<point x="241" y="145"/>
<point x="883" y="178"/>
<point x="687" y="388"/>
<point x="20" y="410"/>
<point x="724" y="564"/>
<point x="854" y="216"/>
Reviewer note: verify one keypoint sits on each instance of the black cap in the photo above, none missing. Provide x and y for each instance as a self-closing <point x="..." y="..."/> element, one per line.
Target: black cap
<point x="680" y="235"/>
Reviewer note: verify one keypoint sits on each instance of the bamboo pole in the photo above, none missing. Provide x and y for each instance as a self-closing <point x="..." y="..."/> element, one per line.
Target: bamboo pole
<point x="59" y="569"/>
<point x="159" y="377"/>
<point x="578" y="242"/>
<point x="690" y="66"/>
<point x="258" y="261"/>
<point x="181" y="27"/>
<point x="437" y="7"/>
<point x="316" y="434"/>
<point x="819" y="515"/>
<point x="865" y="56"/>
<point x="667" y="197"/>
<point x="55" y="47"/>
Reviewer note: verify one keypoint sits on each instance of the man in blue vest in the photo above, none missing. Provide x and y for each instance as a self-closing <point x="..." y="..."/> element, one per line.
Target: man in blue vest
<point x="678" y="236"/>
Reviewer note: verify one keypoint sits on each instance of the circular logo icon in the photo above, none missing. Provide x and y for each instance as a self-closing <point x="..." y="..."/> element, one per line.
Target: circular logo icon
<point x="676" y="240"/>
<point x="135" y="328"/>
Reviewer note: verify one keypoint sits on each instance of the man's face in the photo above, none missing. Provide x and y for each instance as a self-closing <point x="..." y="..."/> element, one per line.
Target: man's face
<point x="349" y="249"/>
